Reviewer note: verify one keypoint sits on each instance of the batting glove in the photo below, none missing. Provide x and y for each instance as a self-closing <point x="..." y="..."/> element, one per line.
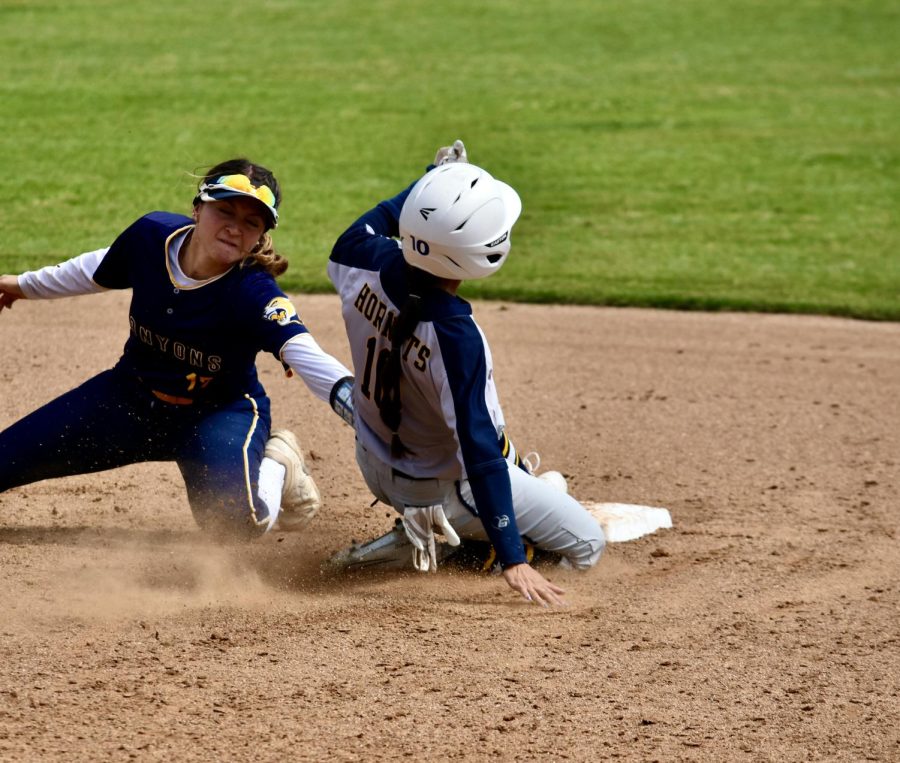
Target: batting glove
<point x="448" y="154"/>
<point x="420" y="524"/>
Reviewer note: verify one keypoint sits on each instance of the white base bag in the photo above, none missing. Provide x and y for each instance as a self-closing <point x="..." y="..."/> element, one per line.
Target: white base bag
<point x="626" y="521"/>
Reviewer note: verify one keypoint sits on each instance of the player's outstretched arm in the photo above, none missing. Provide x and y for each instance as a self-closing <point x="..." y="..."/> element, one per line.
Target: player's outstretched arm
<point x="10" y="291"/>
<point x="533" y="586"/>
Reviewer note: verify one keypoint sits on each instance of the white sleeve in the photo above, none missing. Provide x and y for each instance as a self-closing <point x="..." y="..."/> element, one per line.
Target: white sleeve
<point x="68" y="279"/>
<point x="316" y="367"/>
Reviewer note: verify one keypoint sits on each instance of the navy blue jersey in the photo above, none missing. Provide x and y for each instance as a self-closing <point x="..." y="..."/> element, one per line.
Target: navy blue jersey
<point x="452" y="421"/>
<point x="196" y="343"/>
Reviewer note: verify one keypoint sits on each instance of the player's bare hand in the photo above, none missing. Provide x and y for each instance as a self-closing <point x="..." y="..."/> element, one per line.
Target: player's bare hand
<point x="9" y="291"/>
<point x="533" y="586"/>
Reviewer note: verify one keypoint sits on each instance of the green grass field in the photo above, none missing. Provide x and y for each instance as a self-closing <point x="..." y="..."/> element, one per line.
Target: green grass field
<point x="714" y="154"/>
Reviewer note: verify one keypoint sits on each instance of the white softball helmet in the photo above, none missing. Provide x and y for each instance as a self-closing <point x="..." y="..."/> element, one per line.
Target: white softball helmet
<point x="456" y="222"/>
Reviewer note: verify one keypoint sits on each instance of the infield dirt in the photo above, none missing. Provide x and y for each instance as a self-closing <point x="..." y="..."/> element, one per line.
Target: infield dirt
<point x="763" y="626"/>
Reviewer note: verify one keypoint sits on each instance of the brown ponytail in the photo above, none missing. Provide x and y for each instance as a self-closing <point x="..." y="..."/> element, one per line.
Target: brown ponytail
<point x="264" y="256"/>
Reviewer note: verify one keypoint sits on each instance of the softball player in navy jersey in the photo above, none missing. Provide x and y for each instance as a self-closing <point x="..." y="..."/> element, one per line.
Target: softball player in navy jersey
<point x="204" y="303"/>
<point x="430" y="430"/>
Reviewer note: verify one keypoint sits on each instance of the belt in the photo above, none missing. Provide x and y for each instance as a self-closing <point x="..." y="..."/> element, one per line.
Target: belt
<point x="171" y="399"/>
<point x="404" y="475"/>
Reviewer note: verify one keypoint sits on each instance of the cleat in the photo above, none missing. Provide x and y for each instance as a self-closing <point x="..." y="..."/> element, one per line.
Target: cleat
<point x="391" y="551"/>
<point x="300" y="497"/>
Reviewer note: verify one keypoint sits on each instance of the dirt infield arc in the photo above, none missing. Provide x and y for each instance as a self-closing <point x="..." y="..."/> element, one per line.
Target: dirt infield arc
<point x="763" y="626"/>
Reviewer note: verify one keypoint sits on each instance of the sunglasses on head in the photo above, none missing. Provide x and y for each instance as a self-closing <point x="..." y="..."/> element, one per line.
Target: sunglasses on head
<point x="241" y="184"/>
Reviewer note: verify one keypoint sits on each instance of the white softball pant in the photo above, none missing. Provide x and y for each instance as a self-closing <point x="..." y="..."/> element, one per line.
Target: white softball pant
<point x="546" y="517"/>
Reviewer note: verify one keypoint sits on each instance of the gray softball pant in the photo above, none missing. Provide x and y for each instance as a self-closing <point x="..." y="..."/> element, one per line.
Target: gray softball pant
<point x="546" y="517"/>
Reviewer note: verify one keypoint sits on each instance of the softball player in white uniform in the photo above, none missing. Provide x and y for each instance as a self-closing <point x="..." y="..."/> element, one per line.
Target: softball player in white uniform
<point x="430" y="429"/>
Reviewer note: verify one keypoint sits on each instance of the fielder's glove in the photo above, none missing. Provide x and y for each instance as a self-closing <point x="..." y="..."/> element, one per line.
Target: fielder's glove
<point x="420" y="524"/>
<point x="454" y="153"/>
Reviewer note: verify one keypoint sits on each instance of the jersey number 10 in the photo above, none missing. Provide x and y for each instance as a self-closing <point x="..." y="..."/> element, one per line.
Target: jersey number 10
<point x="376" y="395"/>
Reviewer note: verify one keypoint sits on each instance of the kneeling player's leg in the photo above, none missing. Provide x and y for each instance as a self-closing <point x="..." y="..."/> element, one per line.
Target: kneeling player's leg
<point x="98" y="425"/>
<point x="220" y="462"/>
<point x="546" y="517"/>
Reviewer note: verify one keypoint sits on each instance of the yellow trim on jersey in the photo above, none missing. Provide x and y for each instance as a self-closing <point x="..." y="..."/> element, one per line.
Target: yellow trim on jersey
<point x="172" y="236"/>
<point x="506" y="447"/>
<point x="176" y="284"/>
<point x="247" y="462"/>
<point x="172" y="399"/>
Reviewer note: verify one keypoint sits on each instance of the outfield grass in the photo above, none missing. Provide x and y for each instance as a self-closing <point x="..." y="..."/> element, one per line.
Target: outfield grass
<point x="714" y="154"/>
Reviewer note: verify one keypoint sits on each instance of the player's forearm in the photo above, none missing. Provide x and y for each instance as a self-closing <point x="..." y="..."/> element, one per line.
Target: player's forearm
<point x="68" y="279"/>
<point x="319" y="370"/>
<point x="493" y="500"/>
<point x="382" y="220"/>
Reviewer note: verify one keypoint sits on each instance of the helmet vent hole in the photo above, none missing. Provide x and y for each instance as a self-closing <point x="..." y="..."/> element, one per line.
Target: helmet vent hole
<point x="473" y="183"/>
<point x="494" y="258"/>
<point x="461" y="225"/>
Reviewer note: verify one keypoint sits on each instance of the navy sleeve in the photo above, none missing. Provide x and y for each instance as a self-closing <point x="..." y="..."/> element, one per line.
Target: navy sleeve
<point x="360" y="244"/>
<point x="462" y="350"/>
<point x="494" y="493"/>
<point x="116" y="269"/>
<point x="268" y="312"/>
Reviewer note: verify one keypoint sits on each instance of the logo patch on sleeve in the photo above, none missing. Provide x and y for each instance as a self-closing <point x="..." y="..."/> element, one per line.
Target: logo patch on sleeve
<point x="282" y="312"/>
